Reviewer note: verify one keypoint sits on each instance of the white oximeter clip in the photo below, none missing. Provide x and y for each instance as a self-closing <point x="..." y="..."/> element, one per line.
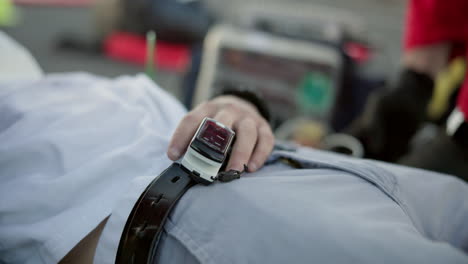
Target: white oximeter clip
<point x="208" y="150"/>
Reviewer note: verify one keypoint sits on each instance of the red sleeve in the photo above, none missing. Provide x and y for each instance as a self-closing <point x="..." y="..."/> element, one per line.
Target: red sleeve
<point x="463" y="100"/>
<point x="433" y="21"/>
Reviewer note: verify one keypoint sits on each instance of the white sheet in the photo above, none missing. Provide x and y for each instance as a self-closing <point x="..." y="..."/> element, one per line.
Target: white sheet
<point x="16" y="63"/>
<point x="69" y="146"/>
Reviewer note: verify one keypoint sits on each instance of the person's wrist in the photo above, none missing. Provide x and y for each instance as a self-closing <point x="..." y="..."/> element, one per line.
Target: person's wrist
<point x="238" y="102"/>
<point x="252" y="98"/>
<point x="428" y="59"/>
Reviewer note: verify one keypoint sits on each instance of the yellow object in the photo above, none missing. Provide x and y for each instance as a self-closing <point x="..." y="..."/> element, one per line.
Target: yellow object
<point x="309" y="134"/>
<point x="8" y="15"/>
<point x="445" y="85"/>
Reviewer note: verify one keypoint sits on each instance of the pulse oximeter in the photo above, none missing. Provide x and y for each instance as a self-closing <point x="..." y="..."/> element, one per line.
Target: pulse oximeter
<point x="208" y="150"/>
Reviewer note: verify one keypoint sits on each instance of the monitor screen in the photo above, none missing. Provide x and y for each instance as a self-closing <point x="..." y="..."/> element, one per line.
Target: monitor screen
<point x="292" y="87"/>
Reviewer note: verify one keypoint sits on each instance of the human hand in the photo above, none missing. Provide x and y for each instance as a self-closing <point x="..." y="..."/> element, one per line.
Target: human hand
<point x="254" y="138"/>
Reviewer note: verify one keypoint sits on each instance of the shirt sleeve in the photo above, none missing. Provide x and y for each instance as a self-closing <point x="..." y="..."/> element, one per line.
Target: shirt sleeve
<point x="432" y="21"/>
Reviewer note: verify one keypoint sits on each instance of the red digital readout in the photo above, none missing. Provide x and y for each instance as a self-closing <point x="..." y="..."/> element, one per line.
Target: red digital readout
<point x="215" y="136"/>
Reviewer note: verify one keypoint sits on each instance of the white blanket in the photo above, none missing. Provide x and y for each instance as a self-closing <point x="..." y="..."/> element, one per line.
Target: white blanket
<point x="69" y="146"/>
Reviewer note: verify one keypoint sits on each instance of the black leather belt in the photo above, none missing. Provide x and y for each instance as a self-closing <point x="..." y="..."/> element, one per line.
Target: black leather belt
<point x="143" y="229"/>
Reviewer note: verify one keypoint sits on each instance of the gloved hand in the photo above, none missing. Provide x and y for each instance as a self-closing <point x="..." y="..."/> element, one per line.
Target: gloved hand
<point x="392" y="117"/>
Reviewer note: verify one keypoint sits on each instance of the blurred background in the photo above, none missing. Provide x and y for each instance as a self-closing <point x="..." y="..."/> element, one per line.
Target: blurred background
<point x="315" y="62"/>
<point x="43" y="24"/>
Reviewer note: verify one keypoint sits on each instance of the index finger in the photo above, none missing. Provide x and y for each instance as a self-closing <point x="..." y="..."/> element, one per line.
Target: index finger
<point x="185" y="131"/>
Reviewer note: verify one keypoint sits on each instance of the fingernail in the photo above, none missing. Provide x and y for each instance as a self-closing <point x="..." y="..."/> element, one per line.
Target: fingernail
<point x="236" y="167"/>
<point x="173" y="153"/>
<point x="252" y="167"/>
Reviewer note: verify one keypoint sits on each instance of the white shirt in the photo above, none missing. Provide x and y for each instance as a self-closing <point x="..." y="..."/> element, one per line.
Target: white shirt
<point x="16" y="63"/>
<point x="71" y="144"/>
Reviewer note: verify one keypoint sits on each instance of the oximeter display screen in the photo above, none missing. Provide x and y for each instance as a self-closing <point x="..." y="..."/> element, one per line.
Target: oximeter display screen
<point x="216" y="136"/>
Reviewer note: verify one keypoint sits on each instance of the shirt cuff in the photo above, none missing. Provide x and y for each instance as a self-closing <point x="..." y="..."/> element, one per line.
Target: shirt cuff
<point x="253" y="98"/>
